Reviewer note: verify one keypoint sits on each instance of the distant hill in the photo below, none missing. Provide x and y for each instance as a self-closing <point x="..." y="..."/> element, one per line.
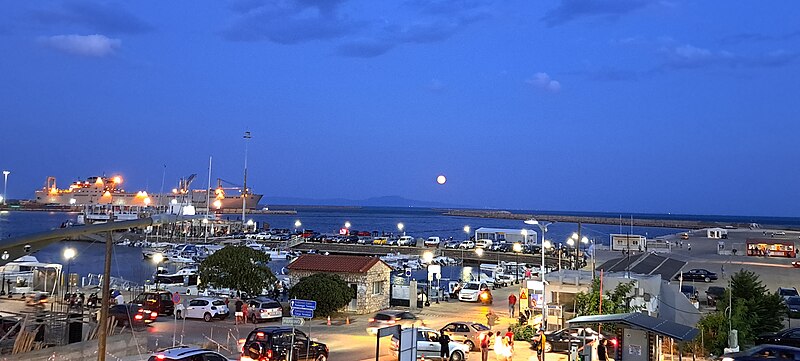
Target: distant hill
<point x="385" y="201"/>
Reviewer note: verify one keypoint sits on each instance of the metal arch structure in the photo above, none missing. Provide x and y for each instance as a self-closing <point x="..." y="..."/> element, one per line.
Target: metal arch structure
<point x="15" y="247"/>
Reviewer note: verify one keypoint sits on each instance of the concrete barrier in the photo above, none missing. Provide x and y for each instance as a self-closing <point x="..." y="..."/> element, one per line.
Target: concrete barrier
<point x="117" y="346"/>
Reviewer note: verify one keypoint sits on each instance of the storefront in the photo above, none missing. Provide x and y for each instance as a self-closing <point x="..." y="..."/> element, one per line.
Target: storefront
<point x="771" y="248"/>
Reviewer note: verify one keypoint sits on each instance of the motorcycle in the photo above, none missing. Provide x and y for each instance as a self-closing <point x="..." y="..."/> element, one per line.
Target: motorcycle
<point x="485" y="297"/>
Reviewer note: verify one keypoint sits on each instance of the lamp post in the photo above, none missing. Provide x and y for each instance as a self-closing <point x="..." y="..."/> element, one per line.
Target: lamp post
<point x="5" y="185"/>
<point x="427" y="257"/>
<point x="543" y="228"/>
<point x="401" y="227"/>
<point x="69" y="254"/>
<point x="517" y="249"/>
<point x="574" y="243"/>
<point x="584" y="241"/>
<point x="157" y="259"/>
<point x="466" y="230"/>
<point x="297" y="225"/>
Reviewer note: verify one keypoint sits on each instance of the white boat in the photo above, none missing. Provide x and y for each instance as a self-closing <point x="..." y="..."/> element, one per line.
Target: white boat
<point x="27" y="274"/>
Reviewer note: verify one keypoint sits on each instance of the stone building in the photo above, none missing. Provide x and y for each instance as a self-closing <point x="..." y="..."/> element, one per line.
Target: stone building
<point x="368" y="276"/>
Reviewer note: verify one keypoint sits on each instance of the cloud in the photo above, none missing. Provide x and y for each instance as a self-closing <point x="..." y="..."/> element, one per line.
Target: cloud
<point x="83" y="45"/>
<point x="756" y="37"/>
<point x="569" y="10"/>
<point x="435" y="85"/>
<point x="691" y="57"/>
<point x="109" y="18"/>
<point x="544" y="82"/>
<point x="290" y="22"/>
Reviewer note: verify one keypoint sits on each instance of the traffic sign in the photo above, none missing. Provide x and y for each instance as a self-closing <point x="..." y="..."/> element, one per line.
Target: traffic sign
<point x="176" y="297"/>
<point x="292" y="321"/>
<point x="302" y="312"/>
<point x="408" y="272"/>
<point x="307" y="304"/>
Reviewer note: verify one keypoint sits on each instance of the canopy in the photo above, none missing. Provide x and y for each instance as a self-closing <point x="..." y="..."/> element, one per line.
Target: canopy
<point x="643" y="322"/>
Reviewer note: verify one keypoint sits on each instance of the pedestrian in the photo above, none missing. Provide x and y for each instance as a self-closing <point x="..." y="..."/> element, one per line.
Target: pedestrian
<point x="722" y="268"/>
<point x="491" y="318"/>
<point x="510" y="337"/>
<point x="602" y="350"/>
<point x="239" y="316"/>
<point x="244" y="313"/>
<point x="512" y="304"/>
<point x="444" y="345"/>
<point x="485" y="346"/>
<point x="541" y="345"/>
<point x="689" y="247"/>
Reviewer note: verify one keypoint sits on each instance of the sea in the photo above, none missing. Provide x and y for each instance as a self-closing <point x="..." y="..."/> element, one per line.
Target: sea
<point x="128" y="263"/>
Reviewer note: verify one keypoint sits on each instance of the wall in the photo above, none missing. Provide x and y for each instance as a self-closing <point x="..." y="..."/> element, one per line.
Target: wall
<point x="116" y="346"/>
<point x="366" y="302"/>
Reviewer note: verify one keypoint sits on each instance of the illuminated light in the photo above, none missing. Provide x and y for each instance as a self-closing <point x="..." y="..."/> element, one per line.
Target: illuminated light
<point x="297" y="224"/>
<point x="427" y="256"/>
<point x="614" y="341"/>
<point x="217" y="204"/>
<point x="400" y="226"/>
<point x="584" y="240"/>
<point x="117" y="180"/>
<point x="98" y="182"/>
<point x="107" y="194"/>
<point x="259" y="334"/>
<point x="441" y="179"/>
<point x="484" y="296"/>
<point x="158" y="258"/>
<point x="547" y="244"/>
<point x="479" y="251"/>
<point x="138" y="317"/>
<point x="161" y="357"/>
<point x="570" y="242"/>
<point x="174" y="201"/>
<point x="53" y="190"/>
<point x="72" y="201"/>
<point x="466" y="229"/>
<point x="147" y="201"/>
<point x="69" y="253"/>
<point x="517" y="247"/>
<point x="347" y="225"/>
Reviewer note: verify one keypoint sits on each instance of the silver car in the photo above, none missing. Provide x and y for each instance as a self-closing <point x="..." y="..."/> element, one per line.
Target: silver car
<point x="393" y="317"/>
<point x="263" y="309"/>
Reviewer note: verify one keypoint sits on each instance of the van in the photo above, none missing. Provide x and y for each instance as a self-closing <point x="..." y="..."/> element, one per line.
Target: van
<point x="406" y="241"/>
<point x="160" y="302"/>
<point x="484" y="243"/>
<point x="432" y="242"/>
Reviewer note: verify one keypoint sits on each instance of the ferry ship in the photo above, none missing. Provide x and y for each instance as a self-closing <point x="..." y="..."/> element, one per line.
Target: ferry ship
<point x="109" y="191"/>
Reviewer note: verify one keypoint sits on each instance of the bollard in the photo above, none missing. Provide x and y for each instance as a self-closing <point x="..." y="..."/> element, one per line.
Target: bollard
<point x="347" y="321"/>
<point x="329" y="320"/>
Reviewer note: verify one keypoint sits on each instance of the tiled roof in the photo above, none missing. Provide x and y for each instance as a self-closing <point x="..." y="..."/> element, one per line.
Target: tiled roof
<point x="333" y="263"/>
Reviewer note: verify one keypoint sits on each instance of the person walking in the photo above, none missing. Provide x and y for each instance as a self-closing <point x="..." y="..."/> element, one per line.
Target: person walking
<point x="244" y="312"/>
<point x="485" y="346"/>
<point x="491" y="318"/>
<point x="512" y="304"/>
<point x="444" y="346"/>
<point x="239" y="316"/>
<point x="602" y="350"/>
<point x="541" y="345"/>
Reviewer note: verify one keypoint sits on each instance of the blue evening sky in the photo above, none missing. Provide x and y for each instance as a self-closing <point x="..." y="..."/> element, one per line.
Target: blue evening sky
<point x="585" y="105"/>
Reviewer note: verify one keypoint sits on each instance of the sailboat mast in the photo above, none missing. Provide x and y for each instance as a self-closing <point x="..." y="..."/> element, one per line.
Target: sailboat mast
<point x="247" y="137"/>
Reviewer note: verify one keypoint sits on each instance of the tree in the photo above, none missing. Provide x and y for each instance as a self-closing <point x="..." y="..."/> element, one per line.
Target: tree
<point x="616" y="301"/>
<point x="330" y="291"/>
<point x="755" y="311"/>
<point x="238" y="268"/>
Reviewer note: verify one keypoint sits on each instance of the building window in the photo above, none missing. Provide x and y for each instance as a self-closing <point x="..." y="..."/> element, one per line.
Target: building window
<point x="377" y="287"/>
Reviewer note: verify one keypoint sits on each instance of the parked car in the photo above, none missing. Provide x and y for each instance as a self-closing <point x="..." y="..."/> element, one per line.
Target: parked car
<point x="186" y="353"/>
<point x="484" y="243"/>
<point x="560" y="341"/>
<point x="160" y="302"/>
<point x="393" y="317"/>
<point x="274" y="343"/>
<point x="263" y="309"/>
<point x="764" y="352"/>
<point x="787" y="292"/>
<point x="471" y="291"/>
<point x="793" y="306"/>
<point x="467" y="245"/>
<point x="207" y="308"/>
<point x="778" y="233"/>
<point x="452" y="244"/>
<point x="380" y="240"/>
<point x="690" y="291"/>
<point x="787" y="337"/>
<point x="432" y="242"/>
<point x="131" y="315"/>
<point x="406" y="241"/>
<point x="466" y="332"/>
<point x="698" y="274"/>
<point x="713" y="294"/>
<point x="428" y="346"/>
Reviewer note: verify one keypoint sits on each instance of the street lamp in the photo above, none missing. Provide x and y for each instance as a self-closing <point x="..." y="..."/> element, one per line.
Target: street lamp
<point x="69" y="254"/>
<point x="5" y="185"/>
<point x="297" y="225"/>
<point x="479" y="252"/>
<point x="543" y="228"/>
<point x="571" y="243"/>
<point x="517" y="249"/>
<point x="400" y="227"/>
<point x="157" y="259"/>
<point x="347" y="224"/>
<point x="466" y="230"/>
<point x="427" y="257"/>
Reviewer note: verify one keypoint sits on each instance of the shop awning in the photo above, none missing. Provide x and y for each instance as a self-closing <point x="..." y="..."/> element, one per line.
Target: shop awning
<point x="643" y="322"/>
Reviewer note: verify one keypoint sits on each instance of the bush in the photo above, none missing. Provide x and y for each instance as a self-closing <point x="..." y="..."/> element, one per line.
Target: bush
<point x="330" y="291"/>
<point x="523" y="332"/>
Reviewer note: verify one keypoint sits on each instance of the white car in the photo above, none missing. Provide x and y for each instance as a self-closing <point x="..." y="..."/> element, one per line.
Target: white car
<point x="484" y="243"/>
<point x="428" y="346"/>
<point x="432" y="242"/>
<point x="472" y="291"/>
<point x="179" y="353"/>
<point x="467" y="245"/>
<point x="406" y="241"/>
<point x="207" y="308"/>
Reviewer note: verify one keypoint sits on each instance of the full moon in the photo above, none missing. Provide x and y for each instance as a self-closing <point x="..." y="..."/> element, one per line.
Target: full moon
<point x="441" y="179"/>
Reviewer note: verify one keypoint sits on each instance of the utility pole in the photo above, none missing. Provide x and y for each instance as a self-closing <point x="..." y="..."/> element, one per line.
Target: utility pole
<point x="105" y="296"/>
<point x="247" y="137"/>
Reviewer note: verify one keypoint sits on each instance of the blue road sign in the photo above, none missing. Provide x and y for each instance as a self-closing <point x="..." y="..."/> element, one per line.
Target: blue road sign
<point x="302" y="312"/>
<point x="408" y="273"/>
<point x="307" y="304"/>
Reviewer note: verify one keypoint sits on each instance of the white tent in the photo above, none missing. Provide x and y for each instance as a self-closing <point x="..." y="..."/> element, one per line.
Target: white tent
<point x="715" y="233"/>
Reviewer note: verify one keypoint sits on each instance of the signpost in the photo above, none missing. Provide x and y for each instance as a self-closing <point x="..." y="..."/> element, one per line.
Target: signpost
<point x="300" y="309"/>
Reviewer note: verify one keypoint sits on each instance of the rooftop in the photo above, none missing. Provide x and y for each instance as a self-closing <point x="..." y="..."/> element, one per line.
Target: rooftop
<point x="333" y="263"/>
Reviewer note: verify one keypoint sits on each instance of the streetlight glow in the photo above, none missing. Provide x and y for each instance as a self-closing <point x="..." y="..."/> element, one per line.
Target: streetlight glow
<point x="158" y="258"/>
<point x="574" y="236"/>
<point x="347" y="224"/>
<point x="547" y="244"/>
<point x="69" y="253"/>
<point x="585" y="240"/>
<point x="400" y="226"/>
<point x="517" y="247"/>
<point x="479" y="252"/>
<point x="297" y="224"/>
<point x="570" y="242"/>
<point x="466" y="229"/>
<point x="427" y="256"/>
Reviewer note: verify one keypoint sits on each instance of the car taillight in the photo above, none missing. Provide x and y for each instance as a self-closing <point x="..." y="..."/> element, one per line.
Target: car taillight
<point x="269" y="355"/>
<point x="138" y="316"/>
<point x="614" y="341"/>
<point x="241" y="344"/>
<point x="161" y="357"/>
<point x="153" y="314"/>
